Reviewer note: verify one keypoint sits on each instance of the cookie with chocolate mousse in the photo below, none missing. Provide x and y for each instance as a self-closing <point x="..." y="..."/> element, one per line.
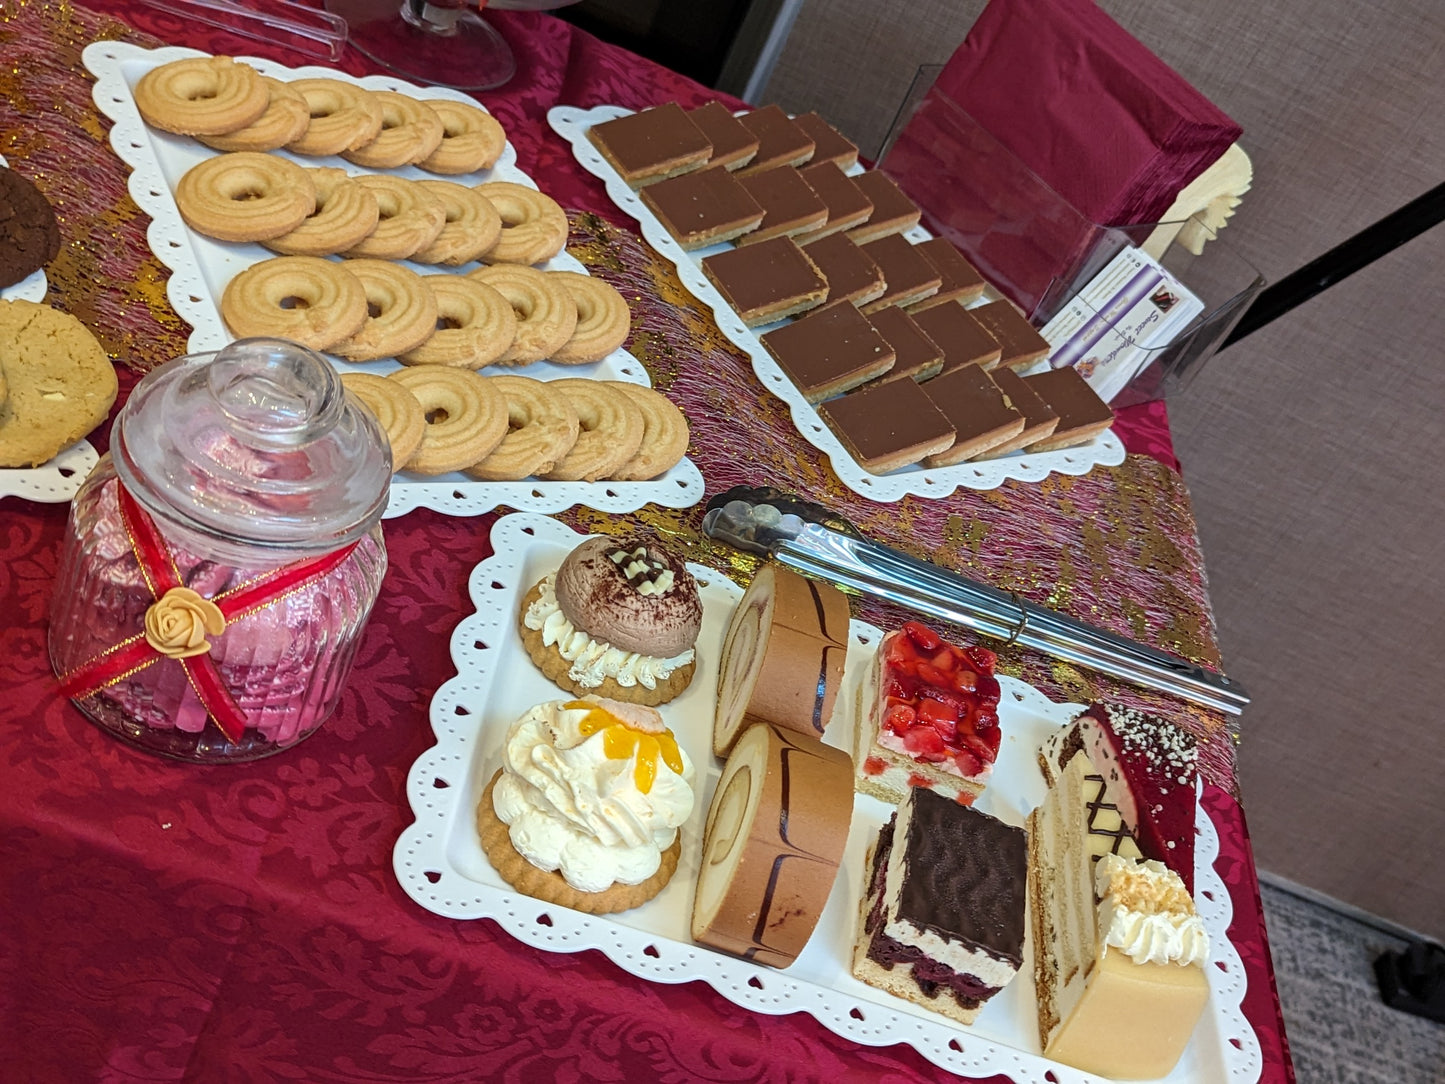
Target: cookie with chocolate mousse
<point x="619" y="618"/>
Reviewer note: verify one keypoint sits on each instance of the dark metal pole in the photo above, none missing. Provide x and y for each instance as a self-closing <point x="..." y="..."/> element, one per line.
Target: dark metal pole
<point x="1342" y="261"/>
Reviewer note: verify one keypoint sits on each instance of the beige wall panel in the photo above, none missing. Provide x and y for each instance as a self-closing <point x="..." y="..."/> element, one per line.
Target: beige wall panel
<point x="1311" y="454"/>
<point x="1309" y="447"/>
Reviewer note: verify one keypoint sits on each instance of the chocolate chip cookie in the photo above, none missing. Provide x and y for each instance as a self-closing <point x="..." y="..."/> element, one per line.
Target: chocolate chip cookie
<point x="29" y="236"/>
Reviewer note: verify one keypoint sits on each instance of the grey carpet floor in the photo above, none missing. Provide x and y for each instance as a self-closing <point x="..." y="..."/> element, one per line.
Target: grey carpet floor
<point x="1340" y="1031"/>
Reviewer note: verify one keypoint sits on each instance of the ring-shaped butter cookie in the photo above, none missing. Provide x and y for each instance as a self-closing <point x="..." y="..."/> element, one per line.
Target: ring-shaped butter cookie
<point x="202" y="95"/>
<point x="543" y="426"/>
<point x="411" y="218"/>
<point x="312" y="301"/>
<point x="475" y="325"/>
<point x="664" y="436"/>
<point x="610" y="430"/>
<point x="410" y="130"/>
<point x="343" y="117"/>
<point x="396" y="408"/>
<point x="472" y="225"/>
<point x="471" y="139"/>
<point x="603" y="319"/>
<point x="285" y="120"/>
<point x="346" y="214"/>
<point x="401" y="312"/>
<point x="466" y="417"/>
<point x="245" y="196"/>
<point x="546" y="316"/>
<point x="534" y="226"/>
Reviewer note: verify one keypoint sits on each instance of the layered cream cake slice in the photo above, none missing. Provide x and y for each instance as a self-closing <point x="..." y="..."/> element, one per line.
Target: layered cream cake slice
<point x="1119" y="950"/>
<point x="1150" y="766"/>
<point x="942" y="921"/>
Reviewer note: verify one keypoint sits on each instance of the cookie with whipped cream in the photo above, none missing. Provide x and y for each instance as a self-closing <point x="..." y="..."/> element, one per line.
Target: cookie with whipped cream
<point x="586" y="809"/>
<point x="619" y="619"/>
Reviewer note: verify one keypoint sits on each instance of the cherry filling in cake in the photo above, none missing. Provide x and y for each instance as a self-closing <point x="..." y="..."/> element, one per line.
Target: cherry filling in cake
<point x="934" y="717"/>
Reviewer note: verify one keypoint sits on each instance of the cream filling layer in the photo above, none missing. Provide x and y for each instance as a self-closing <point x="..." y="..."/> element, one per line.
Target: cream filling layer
<point x="594" y="661"/>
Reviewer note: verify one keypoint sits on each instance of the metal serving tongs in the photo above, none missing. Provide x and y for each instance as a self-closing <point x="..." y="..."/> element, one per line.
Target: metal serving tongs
<point x="817" y="543"/>
<point x="297" y="26"/>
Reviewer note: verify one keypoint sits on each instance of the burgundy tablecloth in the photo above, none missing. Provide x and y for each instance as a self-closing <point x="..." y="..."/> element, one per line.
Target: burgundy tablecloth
<point x="164" y="922"/>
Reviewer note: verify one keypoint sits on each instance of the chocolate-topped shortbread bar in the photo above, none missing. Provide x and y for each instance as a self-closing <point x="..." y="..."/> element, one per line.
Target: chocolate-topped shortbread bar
<point x="916" y="356"/>
<point x="1039" y="419"/>
<point x="981" y="415"/>
<point x="733" y="146"/>
<point x="780" y="141"/>
<point x="1019" y="341"/>
<point x="789" y="206"/>
<point x="942" y="921"/>
<point x="961" y="338"/>
<point x="1082" y="414"/>
<point x="961" y="282"/>
<point x="766" y="281"/>
<point x="851" y="273"/>
<point x="909" y="277"/>
<point x="846" y="203"/>
<point x="888" y="426"/>
<point x="651" y="145"/>
<point x="703" y="208"/>
<point x="829" y="144"/>
<point x="893" y="212"/>
<point x="829" y="351"/>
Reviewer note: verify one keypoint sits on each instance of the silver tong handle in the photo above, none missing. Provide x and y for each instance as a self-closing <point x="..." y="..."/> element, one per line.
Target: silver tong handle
<point x="297" y="26"/>
<point x="924" y="588"/>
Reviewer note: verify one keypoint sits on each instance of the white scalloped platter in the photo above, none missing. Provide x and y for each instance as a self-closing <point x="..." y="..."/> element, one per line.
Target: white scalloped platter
<point x="202" y="266"/>
<point x="440" y="863"/>
<point x="572" y="125"/>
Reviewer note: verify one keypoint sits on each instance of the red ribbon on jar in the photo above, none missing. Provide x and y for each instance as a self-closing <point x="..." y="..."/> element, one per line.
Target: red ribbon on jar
<point x="179" y="620"/>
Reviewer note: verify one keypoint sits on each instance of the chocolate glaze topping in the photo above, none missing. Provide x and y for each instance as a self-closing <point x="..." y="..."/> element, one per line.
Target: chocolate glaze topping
<point x="965" y="876"/>
<point x="646" y="603"/>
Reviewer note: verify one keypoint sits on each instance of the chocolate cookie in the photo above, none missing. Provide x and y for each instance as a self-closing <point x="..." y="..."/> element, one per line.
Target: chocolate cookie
<point x="29" y="237"/>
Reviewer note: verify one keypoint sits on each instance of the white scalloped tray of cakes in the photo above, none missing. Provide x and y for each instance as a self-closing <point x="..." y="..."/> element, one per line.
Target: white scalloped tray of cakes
<point x="228" y="288"/>
<point x="751" y="868"/>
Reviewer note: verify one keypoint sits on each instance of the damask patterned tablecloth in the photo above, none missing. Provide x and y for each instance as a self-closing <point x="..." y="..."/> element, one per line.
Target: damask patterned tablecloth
<point x="163" y="922"/>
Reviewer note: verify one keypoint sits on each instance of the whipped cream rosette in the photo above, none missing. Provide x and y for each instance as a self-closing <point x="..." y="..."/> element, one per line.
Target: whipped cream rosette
<point x="619" y="619"/>
<point x="586" y="807"/>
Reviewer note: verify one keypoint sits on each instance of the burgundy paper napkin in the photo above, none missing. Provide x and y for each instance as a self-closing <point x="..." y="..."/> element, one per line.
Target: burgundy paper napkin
<point x="1081" y="102"/>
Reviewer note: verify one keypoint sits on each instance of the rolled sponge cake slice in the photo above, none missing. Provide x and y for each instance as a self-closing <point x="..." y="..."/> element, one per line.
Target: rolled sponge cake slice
<point x="776" y="830"/>
<point x="942" y="921"/>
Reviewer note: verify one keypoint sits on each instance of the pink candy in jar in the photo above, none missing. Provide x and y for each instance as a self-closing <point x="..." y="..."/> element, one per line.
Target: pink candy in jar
<point x="221" y="562"/>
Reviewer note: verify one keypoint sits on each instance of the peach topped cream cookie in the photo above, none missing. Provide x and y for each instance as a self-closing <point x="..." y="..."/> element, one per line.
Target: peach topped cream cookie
<point x="619" y="618"/>
<point x="586" y="807"/>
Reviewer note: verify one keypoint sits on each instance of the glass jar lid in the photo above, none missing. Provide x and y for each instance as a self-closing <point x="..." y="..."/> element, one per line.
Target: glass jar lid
<point x="257" y="443"/>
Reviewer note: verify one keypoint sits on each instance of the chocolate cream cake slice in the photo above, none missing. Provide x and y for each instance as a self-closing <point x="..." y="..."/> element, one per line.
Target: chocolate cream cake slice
<point x="942" y="922"/>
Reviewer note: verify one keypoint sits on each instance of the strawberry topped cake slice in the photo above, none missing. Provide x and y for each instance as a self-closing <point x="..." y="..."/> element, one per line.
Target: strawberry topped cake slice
<point x="928" y="718"/>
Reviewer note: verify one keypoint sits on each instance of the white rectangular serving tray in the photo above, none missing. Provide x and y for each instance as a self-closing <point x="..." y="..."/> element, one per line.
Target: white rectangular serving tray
<point x="202" y="266"/>
<point x="440" y="863"/>
<point x="572" y="124"/>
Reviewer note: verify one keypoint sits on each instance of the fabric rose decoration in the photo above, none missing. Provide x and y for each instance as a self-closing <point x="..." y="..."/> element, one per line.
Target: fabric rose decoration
<point x="176" y="624"/>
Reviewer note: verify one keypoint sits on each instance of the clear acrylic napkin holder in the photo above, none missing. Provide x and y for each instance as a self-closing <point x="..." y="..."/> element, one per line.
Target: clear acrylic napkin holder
<point x="1036" y="249"/>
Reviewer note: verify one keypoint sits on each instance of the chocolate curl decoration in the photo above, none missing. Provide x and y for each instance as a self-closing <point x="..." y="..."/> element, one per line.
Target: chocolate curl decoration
<point x="178" y="619"/>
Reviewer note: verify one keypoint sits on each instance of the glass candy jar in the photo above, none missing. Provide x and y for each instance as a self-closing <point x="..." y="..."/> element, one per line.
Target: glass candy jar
<point x="221" y="561"/>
